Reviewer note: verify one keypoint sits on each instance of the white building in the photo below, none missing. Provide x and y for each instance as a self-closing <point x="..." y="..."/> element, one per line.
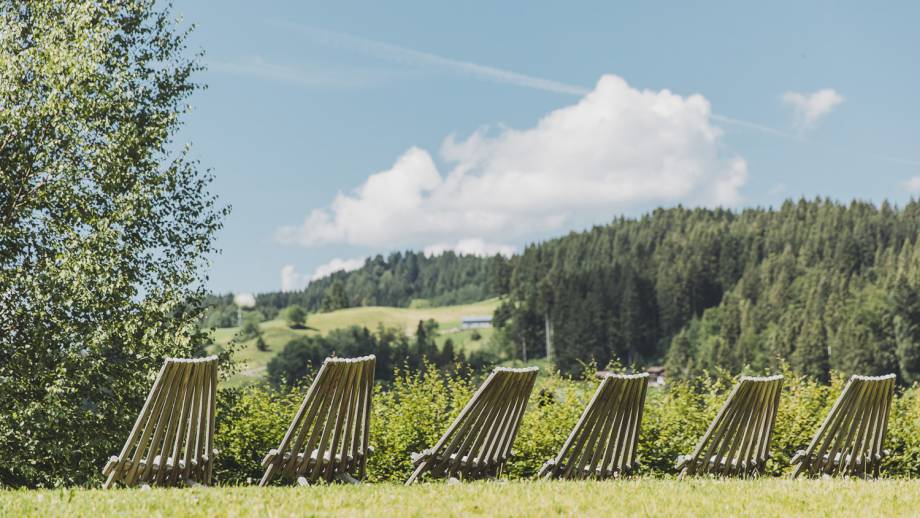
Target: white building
<point x="476" y="322"/>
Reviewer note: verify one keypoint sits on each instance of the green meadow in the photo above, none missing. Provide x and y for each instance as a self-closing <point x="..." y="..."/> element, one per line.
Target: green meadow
<point x="277" y="333"/>
<point x="643" y="497"/>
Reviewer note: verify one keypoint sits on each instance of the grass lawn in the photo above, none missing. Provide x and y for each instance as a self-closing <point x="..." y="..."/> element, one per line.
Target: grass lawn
<point x="765" y="497"/>
<point x="276" y="333"/>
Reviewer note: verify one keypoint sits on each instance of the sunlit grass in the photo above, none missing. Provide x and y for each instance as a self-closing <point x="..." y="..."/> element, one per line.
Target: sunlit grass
<point x="650" y="497"/>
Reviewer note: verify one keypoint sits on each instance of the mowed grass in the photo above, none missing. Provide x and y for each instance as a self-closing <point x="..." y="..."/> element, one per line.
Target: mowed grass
<point x="277" y="334"/>
<point x="764" y="497"/>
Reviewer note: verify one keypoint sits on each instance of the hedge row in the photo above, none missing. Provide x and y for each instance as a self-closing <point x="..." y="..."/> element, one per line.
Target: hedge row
<point x="410" y="414"/>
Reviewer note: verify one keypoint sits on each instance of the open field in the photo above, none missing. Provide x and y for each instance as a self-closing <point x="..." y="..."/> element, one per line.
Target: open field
<point x="765" y="497"/>
<point x="276" y="333"/>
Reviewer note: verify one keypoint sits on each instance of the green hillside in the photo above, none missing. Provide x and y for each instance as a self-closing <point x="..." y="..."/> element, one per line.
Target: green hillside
<point x="276" y="333"/>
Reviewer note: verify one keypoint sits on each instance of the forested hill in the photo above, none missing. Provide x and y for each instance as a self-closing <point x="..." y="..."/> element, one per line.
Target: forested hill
<point x="818" y="284"/>
<point x="395" y="280"/>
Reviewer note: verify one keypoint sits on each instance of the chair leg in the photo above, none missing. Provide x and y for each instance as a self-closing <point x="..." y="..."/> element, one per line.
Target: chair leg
<point x="267" y="476"/>
<point x="418" y="471"/>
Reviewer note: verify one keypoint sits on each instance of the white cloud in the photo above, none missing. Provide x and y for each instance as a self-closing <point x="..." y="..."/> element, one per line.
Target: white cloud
<point x="617" y="148"/>
<point x="810" y="108"/>
<point x="337" y="265"/>
<point x="291" y="279"/>
<point x="912" y="185"/>
<point x="476" y="247"/>
<point x="244" y="300"/>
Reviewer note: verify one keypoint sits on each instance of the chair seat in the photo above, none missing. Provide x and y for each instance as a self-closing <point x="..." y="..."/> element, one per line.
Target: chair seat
<point x="327" y="456"/>
<point x="142" y="463"/>
<point x="716" y="461"/>
<point x="800" y="456"/>
<point x="465" y="462"/>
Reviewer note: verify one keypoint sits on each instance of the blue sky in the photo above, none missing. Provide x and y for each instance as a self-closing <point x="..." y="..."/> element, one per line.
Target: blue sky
<point x="339" y="130"/>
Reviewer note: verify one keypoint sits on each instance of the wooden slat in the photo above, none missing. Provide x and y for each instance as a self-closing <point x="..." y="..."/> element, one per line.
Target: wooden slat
<point x="478" y="441"/>
<point x="490" y="405"/>
<point x="633" y="431"/>
<point x="337" y="423"/>
<point x="169" y="428"/>
<point x="483" y="449"/>
<point x="849" y="441"/>
<point x="329" y="433"/>
<point x="151" y="406"/>
<point x="602" y="442"/>
<point x="515" y="425"/>
<point x="739" y="437"/>
<point x="366" y="414"/>
<point x="304" y="421"/>
<point x="459" y="422"/>
<point x="589" y="410"/>
<point x="598" y="445"/>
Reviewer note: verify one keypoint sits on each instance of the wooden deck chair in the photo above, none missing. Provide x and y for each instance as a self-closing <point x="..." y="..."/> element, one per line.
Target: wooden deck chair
<point x="737" y="442"/>
<point x="478" y="443"/>
<point x="603" y="442"/>
<point x="329" y="434"/>
<point x="173" y="438"/>
<point x="849" y="442"/>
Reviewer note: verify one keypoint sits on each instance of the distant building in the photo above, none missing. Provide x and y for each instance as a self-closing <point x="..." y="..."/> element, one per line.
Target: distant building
<point x="476" y="322"/>
<point x="656" y="375"/>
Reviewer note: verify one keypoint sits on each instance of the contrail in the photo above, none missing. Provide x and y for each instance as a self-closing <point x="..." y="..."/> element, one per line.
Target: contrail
<point x="498" y="75"/>
<point x="897" y="160"/>
<point x="415" y="57"/>
<point x="753" y="126"/>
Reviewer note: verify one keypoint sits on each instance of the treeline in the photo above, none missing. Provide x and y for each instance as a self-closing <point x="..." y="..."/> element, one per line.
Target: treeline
<point x="820" y="284"/>
<point x="396" y="280"/>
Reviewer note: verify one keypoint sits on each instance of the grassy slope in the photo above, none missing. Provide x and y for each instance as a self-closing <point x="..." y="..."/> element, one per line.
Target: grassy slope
<point x="765" y="497"/>
<point x="276" y="333"/>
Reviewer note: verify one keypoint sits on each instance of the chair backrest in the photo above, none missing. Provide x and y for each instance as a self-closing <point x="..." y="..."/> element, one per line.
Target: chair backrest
<point x="737" y="441"/>
<point x="850" y="439"/>
<point x="603" y="442"/>
<point x="479" y="441"/>
<point x="172" y="439"/>
<point x="329" y="433"/>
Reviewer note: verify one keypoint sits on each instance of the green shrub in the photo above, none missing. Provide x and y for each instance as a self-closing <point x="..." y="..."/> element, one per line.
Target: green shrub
<point x="552" y="411"/>
<point x="903" y="438"/>
<point x="250" y="330"/>
<point x="410" y="414"/>
<point x="295" y="316"/>
<point x="250" y="422"/>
